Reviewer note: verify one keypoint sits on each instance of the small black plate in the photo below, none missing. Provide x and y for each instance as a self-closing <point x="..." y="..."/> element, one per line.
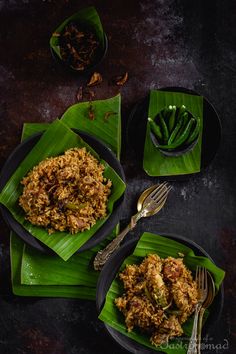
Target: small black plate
<point x="89" y="70"/>
<point x="109" y="272"/>
<point x="136" y="130"/>
<point x="18" y="155"/>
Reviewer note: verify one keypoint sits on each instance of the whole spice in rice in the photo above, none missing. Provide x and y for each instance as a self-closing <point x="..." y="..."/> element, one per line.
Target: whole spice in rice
<point x="66" y="192"/>
<point x="78" y="46"/>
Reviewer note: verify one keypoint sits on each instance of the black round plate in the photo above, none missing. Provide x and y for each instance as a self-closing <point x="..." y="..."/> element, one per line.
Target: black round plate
<point x="109" y="272"/>
<point x="18" y="155"/>
<point x="136" y="130"/>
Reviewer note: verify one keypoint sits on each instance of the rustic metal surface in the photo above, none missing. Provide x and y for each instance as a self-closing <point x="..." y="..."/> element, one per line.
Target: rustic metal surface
<point x="160" y="43"/>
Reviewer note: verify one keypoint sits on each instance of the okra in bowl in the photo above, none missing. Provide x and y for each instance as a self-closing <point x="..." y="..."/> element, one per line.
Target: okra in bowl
<point x="174" y="130"/>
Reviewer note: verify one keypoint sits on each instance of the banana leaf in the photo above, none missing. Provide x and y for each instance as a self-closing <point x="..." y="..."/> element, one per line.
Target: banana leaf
<point x="76" y="116"/>
<point x="164" y="247"/>
<point x="107" y="130"/>
<point x="154" y="162"/>
<point x="87" y="17"/>
<point x="21" y="253"/>
<point x="30" y="129"/>
<point x="65" y="291"/>
<point x="44" y="269"/>
<point x="56" y="139"/>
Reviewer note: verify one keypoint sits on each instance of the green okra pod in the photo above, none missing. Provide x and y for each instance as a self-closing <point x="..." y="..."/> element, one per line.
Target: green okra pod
<point x="176" y="130"/>
<point x="184" y="120"/>
<point x="181" y="111"/>
<point x="195" y="131"/>
<point x="182" y="138"/>
<point x="155" y="128"/>
<point x="164" y="129"/>
<point x="171" y="121"/>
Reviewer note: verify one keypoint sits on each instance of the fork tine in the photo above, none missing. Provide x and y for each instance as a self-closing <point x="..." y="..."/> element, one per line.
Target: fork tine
<point x="202" y="275"/>
<point x="160" y="201"/>
<point x="197" y="276"/>
<point x="159" y="187"/>
<point x="201" y="278"/>
<point x="206" y="279"/>
<point x="162" y="187"/>
<point x="160" y="191"/>
<point x="162" y="195"/>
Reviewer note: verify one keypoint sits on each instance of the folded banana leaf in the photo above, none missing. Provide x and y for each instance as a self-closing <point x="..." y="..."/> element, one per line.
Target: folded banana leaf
<point x="106" y="125"/>
<point x="88" y="17"/>
<point x="56" y="139"/>
<point x="107" y="129"/>
<point x="30" y="129"/>
<point x="65" y="291"/>
<point x="44" y="269"/>
<point x="154" y="162"/>
<point x="164" y="247"/>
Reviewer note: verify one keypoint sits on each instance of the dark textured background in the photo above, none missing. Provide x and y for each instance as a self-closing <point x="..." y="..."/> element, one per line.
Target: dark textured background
<point x="160" y="43"/>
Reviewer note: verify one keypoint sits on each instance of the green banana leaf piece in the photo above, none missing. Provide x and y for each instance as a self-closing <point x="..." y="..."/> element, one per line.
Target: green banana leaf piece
<point x="107" y="130"/>
<point x="56" y="139"/>
<point x="76" y="116"/>
<point x="65" y="291"/>
<point x="164" y="247"/>
<point x="154" y="162"/>
<point x="30" y="129"/>
<point x="87" y="17"/>
<point x="44" y="269"/>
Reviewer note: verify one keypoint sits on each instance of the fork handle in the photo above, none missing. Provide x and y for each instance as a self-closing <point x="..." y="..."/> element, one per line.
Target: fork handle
<point x="192" y="348"/>
<point x="199" y="334"/>
<point x="103" y="255"/>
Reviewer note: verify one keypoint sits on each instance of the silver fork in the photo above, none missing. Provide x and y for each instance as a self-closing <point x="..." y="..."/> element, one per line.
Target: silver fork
<point x="202" y="283"/>
<point x="151" y="205"/>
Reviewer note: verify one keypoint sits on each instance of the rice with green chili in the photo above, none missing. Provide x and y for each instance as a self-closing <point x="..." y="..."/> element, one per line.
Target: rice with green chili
<point x="159" y="296"/>
<point x="66" y="193"/>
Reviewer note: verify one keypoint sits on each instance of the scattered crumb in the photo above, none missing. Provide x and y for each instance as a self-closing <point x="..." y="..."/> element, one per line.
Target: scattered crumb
<point x="95" y="79"/>
<point x="121" y="80"/>
<point x="79" y="95"/>
<point x="108" y="114"/>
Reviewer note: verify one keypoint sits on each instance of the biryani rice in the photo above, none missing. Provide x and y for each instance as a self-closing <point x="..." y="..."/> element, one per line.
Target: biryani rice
<point x="66" y="192"/>
<point x="159" y="296"/>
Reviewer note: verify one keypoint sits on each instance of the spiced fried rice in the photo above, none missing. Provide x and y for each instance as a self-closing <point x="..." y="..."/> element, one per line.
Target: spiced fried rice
<point x="66" y="193"/>
<point x="159" y="296"/>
